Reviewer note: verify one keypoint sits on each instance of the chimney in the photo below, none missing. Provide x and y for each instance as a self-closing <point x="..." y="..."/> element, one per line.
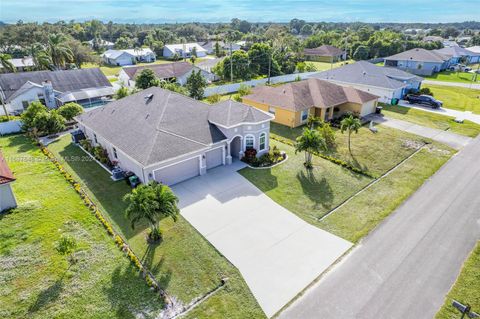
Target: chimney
<point x="48" y="94"/>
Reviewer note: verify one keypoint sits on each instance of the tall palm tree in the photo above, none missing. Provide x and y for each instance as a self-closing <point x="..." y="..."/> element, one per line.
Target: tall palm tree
<point x="59" y="51"/>
<point x="350" y="124"/>
<point x="310" y="142"/>
<point x="151" y="203"/>
<point x="6" y="63"/>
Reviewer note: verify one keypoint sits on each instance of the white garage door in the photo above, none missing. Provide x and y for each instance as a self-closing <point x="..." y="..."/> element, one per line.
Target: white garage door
<point x="214" y="158"/>
<point x="179" y="172"/>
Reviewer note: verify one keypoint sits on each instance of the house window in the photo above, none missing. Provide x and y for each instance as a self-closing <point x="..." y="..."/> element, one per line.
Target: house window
<point x="249" y="142"/>
<point x="304" y="115"/>
<point x="271" y="110"/>
<point x="95" y="138"/>
<point x="25" y="104"/>
<point x="262" y="141"/>
<point x="115" y="153"/>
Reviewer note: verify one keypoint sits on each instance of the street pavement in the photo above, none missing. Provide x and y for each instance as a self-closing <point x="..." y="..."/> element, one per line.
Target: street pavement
<point x="407" y="265"/>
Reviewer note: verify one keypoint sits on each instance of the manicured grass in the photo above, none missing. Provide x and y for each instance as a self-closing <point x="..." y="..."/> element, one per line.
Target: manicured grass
<point x="308" y="193"/>
<point x="449" y="76"/>
<point x="35" y="281"/>
<point x="457" y="98"/>
<point x="371" y="151"/>
<point x="323" y="66"/>
<point x="466" y="289"/>
<point x="363" y="213"/>
<point x="430" y="119"/>
<point x="186" y="265"/>
<point x="110" y="70"/>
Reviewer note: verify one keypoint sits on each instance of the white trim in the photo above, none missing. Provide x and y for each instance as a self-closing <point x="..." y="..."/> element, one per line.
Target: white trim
<point x="245" y="144"/>
<point x="243" y="123"/>
<point x="264" y="142"/>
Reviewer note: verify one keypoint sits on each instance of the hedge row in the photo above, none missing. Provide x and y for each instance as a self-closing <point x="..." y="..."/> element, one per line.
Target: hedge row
<point x="150" y="280"/>
<point x="328" y="158"/>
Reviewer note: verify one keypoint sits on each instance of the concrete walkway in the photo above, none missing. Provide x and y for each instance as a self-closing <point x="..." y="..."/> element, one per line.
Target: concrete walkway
<point x="467" y="115"/>
<point x="453" y="140"/>
<point x="457" y="84"/>
<point x="277" y="253"/>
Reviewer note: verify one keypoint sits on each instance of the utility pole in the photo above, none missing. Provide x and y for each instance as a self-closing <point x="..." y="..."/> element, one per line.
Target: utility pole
<point x="269" y="66"/>
<point x="231" y="62"/>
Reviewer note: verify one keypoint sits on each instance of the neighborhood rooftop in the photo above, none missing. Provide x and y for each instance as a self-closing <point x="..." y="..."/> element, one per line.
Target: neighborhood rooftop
<point x="456" y="51"/>
<point x="297" y="96"/>
<point x="420" y="55"/>
<point x="324" y="50"/>
<point x="6" y="175"/>
<point x="62" y="81"/>
<point x="162" y="71"/>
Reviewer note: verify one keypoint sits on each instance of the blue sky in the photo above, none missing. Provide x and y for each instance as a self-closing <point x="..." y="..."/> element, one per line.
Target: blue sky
<point x="262" y="11"/>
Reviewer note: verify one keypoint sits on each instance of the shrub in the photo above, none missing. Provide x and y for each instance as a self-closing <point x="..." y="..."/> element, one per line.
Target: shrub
<point x="237" y="98"/>
<point x="215" y="98"/>
<point x="244" y="90"/>
<point x="327" y="133"/>
<point x="425" y="91"/>
<point x="87" y="145"/>
<point x="70" y="110"/>
<point x="101" y="155"/>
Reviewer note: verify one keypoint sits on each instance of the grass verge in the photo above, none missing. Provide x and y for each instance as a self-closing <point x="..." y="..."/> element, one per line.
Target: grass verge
<point x="450" y="76"/>
<point x="457" y="98"/>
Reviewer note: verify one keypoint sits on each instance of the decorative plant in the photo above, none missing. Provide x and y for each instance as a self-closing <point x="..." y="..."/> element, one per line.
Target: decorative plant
<point x="66" y="246"/>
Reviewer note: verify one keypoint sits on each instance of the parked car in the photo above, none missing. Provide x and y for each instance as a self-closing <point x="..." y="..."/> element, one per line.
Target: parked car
<point x="459" y="67"/>
<point x="424" y="100"/>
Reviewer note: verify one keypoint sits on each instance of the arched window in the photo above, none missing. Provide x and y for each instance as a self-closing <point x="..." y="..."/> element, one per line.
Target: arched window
<point x="249" y="142"/>
<point x="262" y="144"/>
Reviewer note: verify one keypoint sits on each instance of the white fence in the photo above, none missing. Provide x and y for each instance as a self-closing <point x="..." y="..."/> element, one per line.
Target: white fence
<point x="230" y="88"/>
<point x="10" y="127"/>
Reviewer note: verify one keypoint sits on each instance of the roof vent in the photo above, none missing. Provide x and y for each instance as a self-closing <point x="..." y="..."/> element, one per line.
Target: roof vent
<point x="364" y="73"/>
<point x="148" y="97"/>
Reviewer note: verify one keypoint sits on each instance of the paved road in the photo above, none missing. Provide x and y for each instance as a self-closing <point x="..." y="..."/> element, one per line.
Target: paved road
<point x="407" y="265"/>
<point x="277" y="253"/>
<point x="457" y="84"/>
<point x="467" y="115"/>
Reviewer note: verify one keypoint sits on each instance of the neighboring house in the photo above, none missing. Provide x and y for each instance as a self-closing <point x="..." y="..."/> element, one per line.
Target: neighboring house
<point x="184" y="50"/>
<point x="7" y="198"/>
<point x="210" y="46"/>
<point x="21" y="65"/>
<point x="419" y="61"/>
<point x="449" y="43"/>
<point x="88" y="87"/>
<point x="293" y="103"/>
<point x="386" y="82"/>
<point x="168" y="137"/>
<point x="325" y="53"/>
<point x="208" y="64"/>
<point x="476" y="52"/>
<point x="459" y="55"/>
<point x="128" y="57"/>
<point x="433" y="38"/>
<point x="101" y="44"/>
<point x="177" y="71"/>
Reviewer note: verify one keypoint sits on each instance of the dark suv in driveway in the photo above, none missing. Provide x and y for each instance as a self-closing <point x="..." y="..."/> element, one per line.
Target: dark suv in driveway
<point x="424" y="100"/>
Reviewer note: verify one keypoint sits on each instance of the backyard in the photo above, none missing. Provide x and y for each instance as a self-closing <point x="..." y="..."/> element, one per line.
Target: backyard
<point x="430" y="119"/>
<point x="457" y="98"/>
<point x="35" y="280"/>
<point x="184" y="263"/>
<point x="323" y="66"/>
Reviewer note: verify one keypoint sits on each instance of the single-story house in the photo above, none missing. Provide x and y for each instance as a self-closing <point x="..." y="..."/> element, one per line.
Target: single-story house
<point x="7" y="198"/>
<point x="101" y="43"/>
<point x="459" y="55"/>
<point x="87" y="87"/>
<point x="168" y="137"/>
<point x="293" y="103"/>
<point x="184" y="50"/>
<point x="476" y="52"/>
<point x="386" y="82"/>
<point x="128" y="57"/>
<point x="419" y="61"/>
<point x="21" y="65"/>
<point x="177" y="71"/>
<point x="210" y="46"/>
<point x="208" y="64"/>
<point x="433" y="38"/>
<point x="325" y="53"/>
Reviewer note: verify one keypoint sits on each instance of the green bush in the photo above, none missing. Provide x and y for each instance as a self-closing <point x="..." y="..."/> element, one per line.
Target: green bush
<point x="215" y="98"/>
<point x="70" y="110"/>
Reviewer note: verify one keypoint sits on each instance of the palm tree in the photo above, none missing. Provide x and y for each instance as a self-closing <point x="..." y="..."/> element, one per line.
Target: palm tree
<point x="310" y="142"/>
<point x="312" y="121"/>
<point x="59" y="51"/>
<point x="151" y="203"/>
<point x="6" y="63"/>
<point x="350" y="124"/>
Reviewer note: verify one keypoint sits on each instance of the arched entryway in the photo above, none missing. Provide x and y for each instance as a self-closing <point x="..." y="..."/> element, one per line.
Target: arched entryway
<point x="236" y="147"/>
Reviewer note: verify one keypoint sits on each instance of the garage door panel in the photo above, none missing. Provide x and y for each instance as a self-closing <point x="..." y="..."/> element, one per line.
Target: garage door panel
<point x="179" y="172"/>
<point x="214" y="158"/>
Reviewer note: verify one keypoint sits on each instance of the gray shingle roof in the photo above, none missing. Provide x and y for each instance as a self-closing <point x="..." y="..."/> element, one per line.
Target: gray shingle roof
<point x="166" y="126"/>
<point x="324" y="50"/>
<point x="62" y="81"/>
<point x="456" y="52"/>
<point x="162" y="71"/>
<point x="418" y="54"/>
<point x="366" y="73"/>
<point x="231" y="113"/>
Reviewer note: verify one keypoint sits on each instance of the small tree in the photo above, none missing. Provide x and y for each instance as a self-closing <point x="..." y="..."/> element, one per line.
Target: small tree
<point x="313" y="121"/>
<point x="66" y="247"/>
<point x="55" y="123"/>
<point x="146" y="79"/>
<point x="310" y="142"/>
<point x="350" y="124"/>
<point x="327" y="132"/>
<point x="196" y="85"/>
<point x="151" y="202"/>
<point x="212" y="99"/>
<point x="28" y="116"/>
<point x="218" y="50"/>
<point x="121" y="93"/>
<point x="70" y="110"/>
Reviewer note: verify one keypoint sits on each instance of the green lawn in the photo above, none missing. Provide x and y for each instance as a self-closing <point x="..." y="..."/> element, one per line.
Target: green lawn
<point x="323" y="66"/>
<point x="430" y="119"/>
<point x="110" y="70"/>
<point x="457" y="98"/>
<point x="370" y="151"/>
<point x="362" y="214"/>
<point x="186" y="265"/>
<point x="35" y="281"/>
<point x="450" y="76"/>
<point x="466" y="289"/>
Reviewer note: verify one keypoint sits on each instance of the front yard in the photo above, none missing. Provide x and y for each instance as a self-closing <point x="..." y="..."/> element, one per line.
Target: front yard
<point x="450" y="76"/>
<point x="457" y="98"/>
<point x="430" y="119"/>
<point x="35" y="280"/>
<point x="185" y="264"/>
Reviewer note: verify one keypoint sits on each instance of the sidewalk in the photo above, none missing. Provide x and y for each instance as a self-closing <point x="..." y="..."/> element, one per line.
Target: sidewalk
<point x="467" y="115"/>
<point x="451" y="139"/>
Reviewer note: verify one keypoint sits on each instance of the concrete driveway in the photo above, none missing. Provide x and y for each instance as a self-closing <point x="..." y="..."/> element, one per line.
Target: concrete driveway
<point x="277" y="253"/>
